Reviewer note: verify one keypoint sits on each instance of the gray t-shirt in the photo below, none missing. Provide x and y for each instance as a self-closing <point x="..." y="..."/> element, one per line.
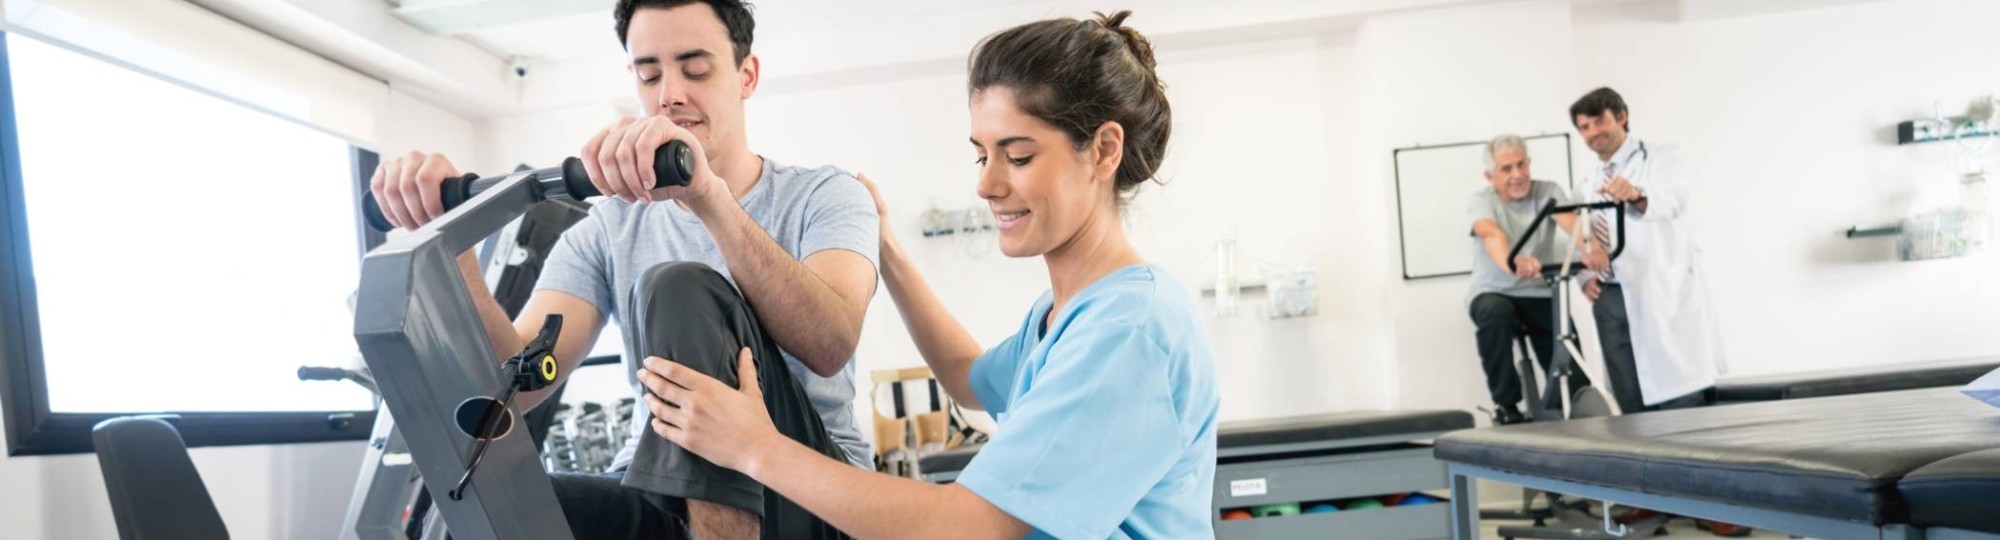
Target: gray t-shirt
<point x="804" y="210"/>
<point x="1513" y="219"/>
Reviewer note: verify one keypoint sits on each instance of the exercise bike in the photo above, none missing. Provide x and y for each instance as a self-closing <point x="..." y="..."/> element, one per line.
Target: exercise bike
<point x="443" y="421"/>
<point x="1554" y="398"/>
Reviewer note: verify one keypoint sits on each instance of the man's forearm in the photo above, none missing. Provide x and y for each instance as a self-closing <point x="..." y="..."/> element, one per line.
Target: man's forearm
<point x="499" y="329"/>
<point x="1496" y="248"/>
<point x="803" y="314"/>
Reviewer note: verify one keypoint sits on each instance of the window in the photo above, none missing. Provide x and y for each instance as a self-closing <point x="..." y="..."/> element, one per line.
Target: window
<point x="169" y="252"/>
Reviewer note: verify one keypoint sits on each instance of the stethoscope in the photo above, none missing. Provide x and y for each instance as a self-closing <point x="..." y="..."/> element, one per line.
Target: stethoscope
<point x="1638" y="155"/>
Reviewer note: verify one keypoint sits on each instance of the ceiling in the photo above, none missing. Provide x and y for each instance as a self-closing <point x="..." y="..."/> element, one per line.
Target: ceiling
<point x="563" y="30"/>
<point x="459" y="54"/>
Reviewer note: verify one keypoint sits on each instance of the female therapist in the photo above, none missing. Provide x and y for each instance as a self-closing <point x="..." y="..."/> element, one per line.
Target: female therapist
<point x="1106" y="395"/>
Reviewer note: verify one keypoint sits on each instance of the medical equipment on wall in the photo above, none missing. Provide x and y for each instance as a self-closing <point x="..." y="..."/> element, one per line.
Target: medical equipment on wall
<point x="1963" y="228"/>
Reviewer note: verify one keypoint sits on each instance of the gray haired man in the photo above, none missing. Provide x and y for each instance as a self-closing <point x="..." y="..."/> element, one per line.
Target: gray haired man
<point x="1506" y="303"/>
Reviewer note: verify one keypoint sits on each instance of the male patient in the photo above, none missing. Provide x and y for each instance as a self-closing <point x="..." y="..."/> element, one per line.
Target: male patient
<point x="752" y="255"/>
<point x="1504" y="303"/>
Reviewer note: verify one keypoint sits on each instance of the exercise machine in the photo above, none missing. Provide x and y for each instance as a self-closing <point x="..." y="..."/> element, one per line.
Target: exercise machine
<point x="443" y="388"/>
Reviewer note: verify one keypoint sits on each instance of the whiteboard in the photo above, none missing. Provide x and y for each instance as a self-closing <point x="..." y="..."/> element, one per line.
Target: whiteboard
<point x="1432" y="186"/>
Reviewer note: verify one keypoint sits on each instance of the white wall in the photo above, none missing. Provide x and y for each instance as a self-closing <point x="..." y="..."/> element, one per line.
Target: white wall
<point x="1787" y="121"/>
<point x="1283" y="143"/>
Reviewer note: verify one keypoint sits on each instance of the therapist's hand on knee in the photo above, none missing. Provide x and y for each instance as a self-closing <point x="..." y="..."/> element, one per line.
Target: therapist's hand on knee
<point x="1591" y="289"/>
<point x="721" y="424"/>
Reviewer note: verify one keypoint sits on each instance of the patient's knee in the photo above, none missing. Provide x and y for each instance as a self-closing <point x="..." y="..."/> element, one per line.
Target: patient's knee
<point x="1492" y="309"/>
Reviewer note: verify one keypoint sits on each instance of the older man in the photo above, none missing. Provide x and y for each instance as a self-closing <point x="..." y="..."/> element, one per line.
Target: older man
<point x="1506" y="303"/>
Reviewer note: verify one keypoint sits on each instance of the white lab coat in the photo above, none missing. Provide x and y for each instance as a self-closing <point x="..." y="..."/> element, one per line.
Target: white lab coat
<point x="1676" y="342"/>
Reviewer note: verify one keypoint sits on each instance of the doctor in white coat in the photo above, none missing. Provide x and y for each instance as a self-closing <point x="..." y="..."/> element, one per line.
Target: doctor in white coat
<point x="1662" y="346"/>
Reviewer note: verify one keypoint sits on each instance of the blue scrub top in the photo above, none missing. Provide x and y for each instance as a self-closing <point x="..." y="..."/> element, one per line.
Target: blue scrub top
<point x="1106" y="419"/>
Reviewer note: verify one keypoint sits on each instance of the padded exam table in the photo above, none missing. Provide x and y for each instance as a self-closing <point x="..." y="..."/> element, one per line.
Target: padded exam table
<point x="1908" y="464"/>
<point x="1884" y="378"/>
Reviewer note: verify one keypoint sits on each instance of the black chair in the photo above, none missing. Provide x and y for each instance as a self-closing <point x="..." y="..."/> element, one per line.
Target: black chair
<point x="156" y="494"/>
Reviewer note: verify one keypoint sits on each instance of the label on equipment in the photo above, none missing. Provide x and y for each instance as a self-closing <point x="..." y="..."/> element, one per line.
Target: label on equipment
<point x="1246" y="488"/>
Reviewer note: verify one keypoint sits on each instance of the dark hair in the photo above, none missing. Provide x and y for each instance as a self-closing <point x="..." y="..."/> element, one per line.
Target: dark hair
<point x="735" y="15"/>
<point x="1596" y="103"/>
<point x="1077" y="75"/>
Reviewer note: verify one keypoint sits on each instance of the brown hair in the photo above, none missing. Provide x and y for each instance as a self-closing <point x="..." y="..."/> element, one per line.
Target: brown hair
<point x="1597" y="102"/>
<point x="1077" y="75"/>
<point x="735" y="15"/>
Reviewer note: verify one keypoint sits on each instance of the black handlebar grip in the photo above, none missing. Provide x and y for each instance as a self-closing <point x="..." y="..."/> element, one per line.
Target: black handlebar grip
<point x="452" y="192"/>
<point x="673" y="164"/>
<point x="373" y="213"/>
<point x="310" y="373"/>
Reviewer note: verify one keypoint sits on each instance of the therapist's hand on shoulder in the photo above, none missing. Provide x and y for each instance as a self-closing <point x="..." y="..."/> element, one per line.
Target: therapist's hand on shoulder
<point x="724" y="425"/>
<point x="881" y="207"/>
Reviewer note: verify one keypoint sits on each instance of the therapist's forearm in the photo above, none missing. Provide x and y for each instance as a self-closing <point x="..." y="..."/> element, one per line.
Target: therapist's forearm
<point x="873" y="505"/>
<point x="941" y="340"/>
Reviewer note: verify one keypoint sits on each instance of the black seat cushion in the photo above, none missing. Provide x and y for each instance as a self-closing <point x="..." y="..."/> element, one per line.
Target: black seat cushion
<point x="1837" y="457"/>
<point x="1335" y="426"/>
<point x="948" y="460"/>
<point x="154" y="488"/>
<point x="1957" y="492"/>
<point x="1855" y="381"/>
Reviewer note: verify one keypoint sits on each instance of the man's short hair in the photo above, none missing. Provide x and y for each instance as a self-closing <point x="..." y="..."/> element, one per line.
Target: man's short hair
<point x="1596" y="103"/>
<point x="1502" y="143"/>
<point x="735" y="15"/>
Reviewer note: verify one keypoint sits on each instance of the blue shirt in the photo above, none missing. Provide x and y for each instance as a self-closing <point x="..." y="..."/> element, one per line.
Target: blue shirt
<point x="1106" y="419"/>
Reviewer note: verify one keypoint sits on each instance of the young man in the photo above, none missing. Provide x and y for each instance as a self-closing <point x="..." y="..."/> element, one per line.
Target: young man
<point x="752" y="254"/>
<point x="1504" y="304"/>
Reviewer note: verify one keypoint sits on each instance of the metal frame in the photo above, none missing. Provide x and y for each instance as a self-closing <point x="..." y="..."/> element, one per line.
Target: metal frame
<point x="1945" y="533"/>
<point x="1327" y="444"/>
<point x="389" y="482"/>
<point x="422" y="338"/>
<point x="1465" y="507"/>
<point x="941" y="477"/>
